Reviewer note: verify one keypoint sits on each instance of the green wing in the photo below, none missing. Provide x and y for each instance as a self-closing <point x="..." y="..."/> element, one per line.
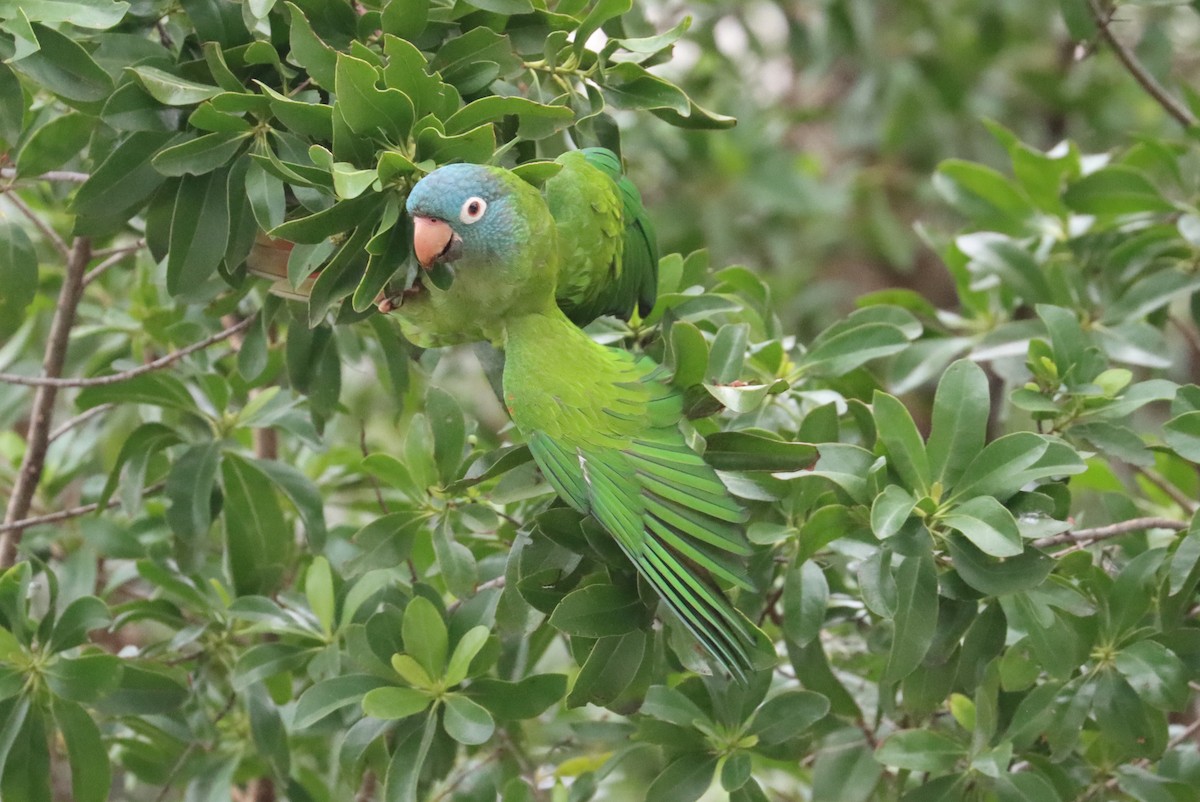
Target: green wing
<point x="608" y="249"/>
<point x="625" y="461"/>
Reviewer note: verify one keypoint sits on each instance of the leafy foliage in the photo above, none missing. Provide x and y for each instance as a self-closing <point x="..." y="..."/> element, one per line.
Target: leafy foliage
<point x="275" y="548"/>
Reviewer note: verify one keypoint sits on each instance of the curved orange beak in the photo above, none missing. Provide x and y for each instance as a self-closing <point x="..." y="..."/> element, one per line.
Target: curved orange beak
<point x="431" y="238"/>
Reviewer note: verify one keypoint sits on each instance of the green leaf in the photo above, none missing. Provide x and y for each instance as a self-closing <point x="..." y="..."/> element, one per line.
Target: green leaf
<point x="145" y="689"/>
<point x="267" y="660"/>
<point x="988" y="524"/>
<point x="189" y="489"/>
<point x="318" y="587"/>
<point x="465" y="721"/>
<point x="330" y="695"/>
<point x="258" y="542"/>
<point x="63" y="67"/>
<point x="992" y="469"/>
<point x="685" y="779"/>
<point x="171" y="89"/>
<point x="899" y="435"/>
<point x="405" y="18"/>
<point x="309" y="52"/>
<point x="983" y="195"/>
<point x="18" y="273"/>
<point x="996" y="577"/>
<point x="846" y="466"/>
<point x="890" y="510"/>
<point x="198" y="156"/>
<point x="395" y="703"/>
<point x="535" y="120"/>
<point x="847" y="350"/>
<point x="609" y="669"/>
<point x="513" y="701"/>
<point x="425" y="636"/>
<point x="1182" y="434"/>
<point x="199" y="231"/>
<point x="805" y="599"/>
<point x="1116" y="189"/>
<point x="85" y="678"/>
<point x="1155" y="673"/>
<point x="960" y="414"/>
<point x="728" y="352"/>
<point x="846" y="769"/>
<point x="920" y="750"/>
<point x="788" y="715"/>
<point x="464" y="652"/>
<point x="672" y="705"/>
<point x="53" y="144"/>
<point x="91" y="775"/>
<point x="95" y="14"/>
<point x="81" y="616"/>
<point x="756" y="451"/>
<point x="12" y="107"/>
<point x="367" y="109"/>
<point x="915" y="619"/>
<point x="597" y="611"/>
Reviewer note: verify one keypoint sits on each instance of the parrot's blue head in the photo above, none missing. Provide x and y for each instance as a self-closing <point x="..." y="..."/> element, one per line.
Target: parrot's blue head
<point x="465" y="211"/>
<point x="496" y="233"/>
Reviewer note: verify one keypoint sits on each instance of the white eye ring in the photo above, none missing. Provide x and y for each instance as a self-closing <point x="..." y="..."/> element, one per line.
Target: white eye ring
<point x="473" y="209"/>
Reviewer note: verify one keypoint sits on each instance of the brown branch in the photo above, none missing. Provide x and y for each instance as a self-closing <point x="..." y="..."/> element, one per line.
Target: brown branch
<point x="1158" y="480"/>
<point x="113" y="378"/>
<point x="115" y="257"/>
<point x="1140" y="74"/>
<point x="68" y="176"/>
<point x="82" y="417"/>
<point x="1110" y="531"/>
<point x="37" y="437"/>
<point x="42" y="226"/>
<point x="72" y="512"/>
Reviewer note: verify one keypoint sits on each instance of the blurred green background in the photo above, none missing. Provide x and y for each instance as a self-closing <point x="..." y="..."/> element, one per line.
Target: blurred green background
<point x="844" y="110"/>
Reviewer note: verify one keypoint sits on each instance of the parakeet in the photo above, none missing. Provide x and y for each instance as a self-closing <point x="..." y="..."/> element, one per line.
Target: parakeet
<point x="608" y="260"/>
<point x="601" y="423"/>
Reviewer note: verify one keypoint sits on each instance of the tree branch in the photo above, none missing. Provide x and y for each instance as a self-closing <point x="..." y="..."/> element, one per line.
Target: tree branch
<point x="1140" y="74"/>
<point x="67" y="176"/>
<point x="37" y="437"/>
<point x="1110" y="531"/>
<point x="72" y="512"/>
<point x="113" y="378"/>
<point x="115" y="256"/>
<point x="82" y="417"/>
<point x="1162" y="483"/>
<point x="42" y="226"/>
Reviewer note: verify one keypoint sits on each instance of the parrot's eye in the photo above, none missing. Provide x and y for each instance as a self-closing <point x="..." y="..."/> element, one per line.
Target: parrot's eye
<point x="472" y="210"/>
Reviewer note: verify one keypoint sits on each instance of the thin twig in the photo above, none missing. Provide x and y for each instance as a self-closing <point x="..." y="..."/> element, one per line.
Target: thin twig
<point x="115" y="257"/>
<point x="1158" y="480"/>
<point x="42" y="226"/>
<point x="491" y="584"/>
<point x="68" y="176"/>
<point x="1140" y="74"/>
<point x="37" y="437"/>
<point x="82" y="417"/>
<point x="1112" y="530"/>
<point x="113" y="378"/>
<point x="192" y="747"/>
<point x="73" y="512"/>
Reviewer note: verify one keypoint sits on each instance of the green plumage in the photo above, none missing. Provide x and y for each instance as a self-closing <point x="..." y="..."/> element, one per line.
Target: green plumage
<point x="603" y="425"/>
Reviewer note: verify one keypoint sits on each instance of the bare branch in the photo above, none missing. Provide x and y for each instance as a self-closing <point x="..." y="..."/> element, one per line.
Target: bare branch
<point x="72" y="512"/>
<point x="115" y="256"/>
<point x="67" y="176"/>
<point x="149" y="367"/>
<point x="81" y="418"/>
<point x="1140" y="74"/>
<point x="1110" y="531"/>
<point x="1162" y="483"/>
<point x="42" y="226"/>
<point x="37" y="437"/>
